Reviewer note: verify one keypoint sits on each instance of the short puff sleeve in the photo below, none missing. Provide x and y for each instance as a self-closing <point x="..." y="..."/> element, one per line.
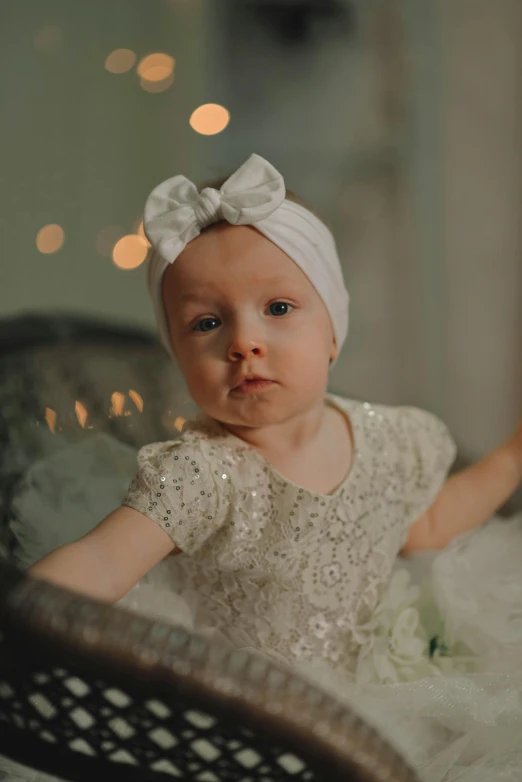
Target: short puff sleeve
<point x="176" y="487"/>
<point x="426" y="454"/>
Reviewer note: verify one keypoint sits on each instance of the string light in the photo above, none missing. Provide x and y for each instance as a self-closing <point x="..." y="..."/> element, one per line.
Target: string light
<point x="48" y="40"/>
<point x="178" y="423"/>
<point x="141" y="232"/>
<point x="81" y="413"/>
<point x="156" y="72"/>
<point x="50" y="417"/>
<point x="130" y="251"/>
<point x="118" y="402"/>
<point x="120" y="61"/>
<point x="136" y="398"/>
<point x="209" y="119"/>
<point x="50" y="238"/>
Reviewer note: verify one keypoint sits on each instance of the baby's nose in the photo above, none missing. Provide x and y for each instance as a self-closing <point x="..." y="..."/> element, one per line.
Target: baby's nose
<point x="237" y="352"/>
<point x="245" y="343"/>
<point x="246" y="337"/>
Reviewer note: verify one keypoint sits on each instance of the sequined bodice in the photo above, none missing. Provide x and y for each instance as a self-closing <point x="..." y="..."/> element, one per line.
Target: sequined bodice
<point x="274" y="566"/>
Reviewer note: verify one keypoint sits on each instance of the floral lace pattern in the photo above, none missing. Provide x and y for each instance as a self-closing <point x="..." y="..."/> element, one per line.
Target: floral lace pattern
<point x="294" y="574"/>
<point x="399" y="648"/>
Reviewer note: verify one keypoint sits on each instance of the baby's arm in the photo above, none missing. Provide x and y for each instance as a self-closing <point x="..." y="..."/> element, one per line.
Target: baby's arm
<point x="106" y="563"/>
<point x="469" y="498"/>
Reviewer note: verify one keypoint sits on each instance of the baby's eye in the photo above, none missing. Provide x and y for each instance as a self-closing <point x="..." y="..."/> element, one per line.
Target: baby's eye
<point x="202" y="322"/>
<point x="200" y="325"/>
<point x="280" y="304"/>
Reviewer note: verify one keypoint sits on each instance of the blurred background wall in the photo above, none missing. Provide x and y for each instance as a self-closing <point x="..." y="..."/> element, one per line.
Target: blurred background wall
<point x="400" y="121"/>
<point x="82" y="145"/>
<point x="481" y="216"/>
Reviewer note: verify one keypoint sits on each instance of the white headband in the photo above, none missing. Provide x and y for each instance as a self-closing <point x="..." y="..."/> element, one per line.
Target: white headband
<point x="175" y="213"/>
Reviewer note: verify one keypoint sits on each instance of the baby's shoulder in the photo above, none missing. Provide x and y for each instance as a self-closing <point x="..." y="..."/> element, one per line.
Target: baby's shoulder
<point x="405" y="417"/>
<point x="413" y="423"/>
<point x="399" y="429"/>
<point x="186" y="455"/>
<point x="206" y="455"/>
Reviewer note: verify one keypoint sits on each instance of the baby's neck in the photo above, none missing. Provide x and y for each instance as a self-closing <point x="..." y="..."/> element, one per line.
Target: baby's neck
<point x="322" y="465"/>
<point x="294" y="436"/>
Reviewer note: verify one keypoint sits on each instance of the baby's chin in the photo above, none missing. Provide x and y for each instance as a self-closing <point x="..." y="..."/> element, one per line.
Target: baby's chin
<point x="248" y="411"/>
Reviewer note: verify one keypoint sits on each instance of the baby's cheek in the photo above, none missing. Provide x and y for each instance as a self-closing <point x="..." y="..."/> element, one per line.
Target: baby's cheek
<point x="312" y="347"/>
<point x="206" y="377"/>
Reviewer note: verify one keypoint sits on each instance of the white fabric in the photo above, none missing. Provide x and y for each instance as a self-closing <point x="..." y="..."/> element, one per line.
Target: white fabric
<point x="175" y="213"/>
<point x="456" y="716"/>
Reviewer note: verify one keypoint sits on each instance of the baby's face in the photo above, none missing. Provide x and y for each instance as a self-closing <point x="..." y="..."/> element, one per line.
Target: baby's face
<point x="237" y="304"/>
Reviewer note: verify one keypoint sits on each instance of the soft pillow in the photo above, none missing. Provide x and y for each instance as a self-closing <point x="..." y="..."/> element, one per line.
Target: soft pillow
<point x="64" y="495"/>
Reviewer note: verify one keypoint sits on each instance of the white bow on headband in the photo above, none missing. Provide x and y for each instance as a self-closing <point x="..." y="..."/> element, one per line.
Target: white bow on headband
<point x="176" y="213"/>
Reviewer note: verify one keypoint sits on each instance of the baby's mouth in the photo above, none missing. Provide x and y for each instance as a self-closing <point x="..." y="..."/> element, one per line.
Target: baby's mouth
<point x="253" y="385"/>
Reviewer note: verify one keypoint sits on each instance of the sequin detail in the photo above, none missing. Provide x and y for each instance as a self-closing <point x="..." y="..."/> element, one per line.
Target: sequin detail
<point x="285" y="570"/>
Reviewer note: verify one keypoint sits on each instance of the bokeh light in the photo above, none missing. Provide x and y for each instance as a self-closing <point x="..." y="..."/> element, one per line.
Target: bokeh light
<point x="118" y="403"/>
<point x="50" y="417"/>
<point x="179" y="422"/>
<point x="120" y="61"/>
<point x="141" y="232"/>
<point x="50" y="238"/>
<point x="130" y="251"/>
<point x="48" y="40"/>
<point x="156" y="67"/>
<point x="209" y="119"/>
<point x="81" y="413"/>
<point x="157" y="86"/>
<point x="156" y="72"/>
<point x="137" y="399"/>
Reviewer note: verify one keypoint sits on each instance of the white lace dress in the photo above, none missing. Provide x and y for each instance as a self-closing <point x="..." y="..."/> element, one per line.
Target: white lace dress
<point x="294" y="574"/>
<point x="427" y="648"/>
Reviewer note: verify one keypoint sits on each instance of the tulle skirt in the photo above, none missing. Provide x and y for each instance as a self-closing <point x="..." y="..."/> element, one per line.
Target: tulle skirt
<point x="441" y="676"/>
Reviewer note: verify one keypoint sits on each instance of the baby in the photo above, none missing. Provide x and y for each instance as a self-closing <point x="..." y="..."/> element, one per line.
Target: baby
<point x="288" y="505"/>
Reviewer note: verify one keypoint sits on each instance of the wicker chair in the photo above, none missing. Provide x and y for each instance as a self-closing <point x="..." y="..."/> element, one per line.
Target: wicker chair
<point x="87" y="688"/>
